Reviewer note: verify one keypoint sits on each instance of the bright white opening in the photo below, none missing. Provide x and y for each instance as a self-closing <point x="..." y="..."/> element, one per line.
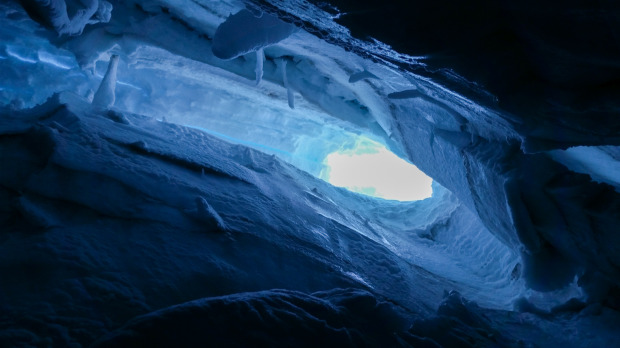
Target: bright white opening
<point x="370" y="168"/>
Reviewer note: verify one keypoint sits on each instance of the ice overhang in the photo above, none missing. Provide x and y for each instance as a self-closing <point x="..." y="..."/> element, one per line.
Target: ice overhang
<point x="312" y="101"/>
<point x="315" y="101"/>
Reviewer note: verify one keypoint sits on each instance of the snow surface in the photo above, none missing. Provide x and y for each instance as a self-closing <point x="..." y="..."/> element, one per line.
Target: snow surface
<point x="195" y="194"/>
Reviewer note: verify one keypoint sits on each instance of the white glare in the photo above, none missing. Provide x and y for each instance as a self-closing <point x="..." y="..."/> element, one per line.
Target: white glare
<point x="371" y="169"/>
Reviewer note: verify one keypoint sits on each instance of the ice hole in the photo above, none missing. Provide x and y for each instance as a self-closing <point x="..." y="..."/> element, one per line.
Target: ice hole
<point x="371" y="169"/>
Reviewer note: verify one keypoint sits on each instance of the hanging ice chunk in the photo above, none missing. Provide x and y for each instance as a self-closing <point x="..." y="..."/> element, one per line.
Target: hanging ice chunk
<point x="289" y="91"/>
<point x="365" y="74"/>
<point x="54" y="13"/>
<point x="105" y="96"/>
<point x="244" y="33"/>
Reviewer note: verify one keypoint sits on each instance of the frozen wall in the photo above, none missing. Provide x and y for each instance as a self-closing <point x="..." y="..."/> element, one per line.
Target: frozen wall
<point x="494" y="158"/>
<point x="195" y="183"/>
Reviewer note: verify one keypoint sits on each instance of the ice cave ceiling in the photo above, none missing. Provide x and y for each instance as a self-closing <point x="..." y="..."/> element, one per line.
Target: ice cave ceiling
<point x="161" y="166"/>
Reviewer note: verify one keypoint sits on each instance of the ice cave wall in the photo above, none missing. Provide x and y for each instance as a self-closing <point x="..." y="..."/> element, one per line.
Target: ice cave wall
<point x="509" y="218"/>
<point x="545" y="85"/>
<point x="493" y="161"/>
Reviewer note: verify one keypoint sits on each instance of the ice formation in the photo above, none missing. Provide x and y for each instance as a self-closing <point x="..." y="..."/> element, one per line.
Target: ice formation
<point x="184" y="206"/>
<point x="105" y="95"/>
<point x="245" y="32"/>
<point x="289" y="92"/>
<point x="56" y="13"/>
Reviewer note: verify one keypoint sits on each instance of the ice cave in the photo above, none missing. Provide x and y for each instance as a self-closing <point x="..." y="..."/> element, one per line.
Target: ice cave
<point x="304" y="173"/>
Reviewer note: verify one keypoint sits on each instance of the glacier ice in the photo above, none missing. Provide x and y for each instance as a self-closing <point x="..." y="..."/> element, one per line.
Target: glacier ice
<point x="108" y="208"/>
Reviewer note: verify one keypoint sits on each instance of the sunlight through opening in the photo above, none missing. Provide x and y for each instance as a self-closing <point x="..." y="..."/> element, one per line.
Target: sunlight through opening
<point x="370" y="168"/>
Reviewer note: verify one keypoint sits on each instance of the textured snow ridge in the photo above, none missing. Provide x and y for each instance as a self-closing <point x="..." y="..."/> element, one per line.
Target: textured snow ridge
<point x="276" y="318"/>
<point x="283" y="318"/>
<point x="338" y="317"/>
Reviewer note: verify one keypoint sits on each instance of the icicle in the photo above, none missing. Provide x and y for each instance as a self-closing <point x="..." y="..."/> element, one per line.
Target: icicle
<point x="105" y="96"/>
<point x="260" y="56"/>
<point x="289" y="91"/>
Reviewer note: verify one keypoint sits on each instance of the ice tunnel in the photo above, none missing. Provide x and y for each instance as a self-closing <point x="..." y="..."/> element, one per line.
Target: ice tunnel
<point x="371" y="169"/>
<point x="309" y="173"/>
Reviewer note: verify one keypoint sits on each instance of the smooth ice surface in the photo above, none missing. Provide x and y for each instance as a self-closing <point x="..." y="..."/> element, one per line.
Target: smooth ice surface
<point x="371" y="169"/>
